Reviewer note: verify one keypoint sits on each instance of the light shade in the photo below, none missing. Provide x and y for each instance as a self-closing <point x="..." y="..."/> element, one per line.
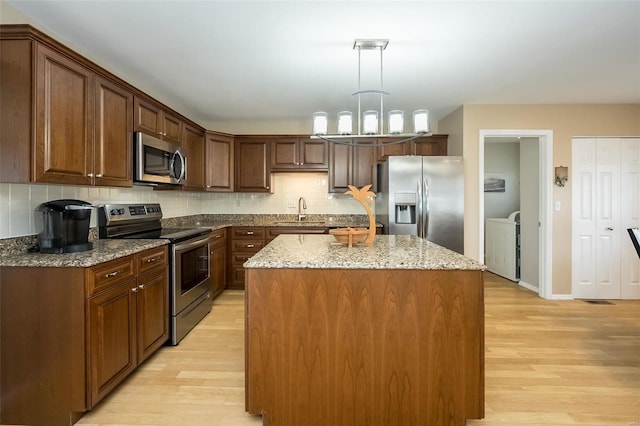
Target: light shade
<point x="421" y="121"/>
<point x="396" y="121"/>
<point x="370" y="122"/>
<point x="345" y="123"/>
<point x="320" y="123"/>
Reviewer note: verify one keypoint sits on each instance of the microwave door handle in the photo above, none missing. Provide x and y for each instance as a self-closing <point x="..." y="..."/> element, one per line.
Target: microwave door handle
<point x="182" y="166"/>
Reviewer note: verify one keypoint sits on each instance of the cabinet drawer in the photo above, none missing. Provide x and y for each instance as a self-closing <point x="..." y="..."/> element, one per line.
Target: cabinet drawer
<point x="151" y="259"/>
<point x="240" y="258"/>
<point x="246" y="246"/>
<point x="238" y="274"/>
<point x="108" y="274"/>
<point x="248" y="232"/>
<point x="218" y="237"/>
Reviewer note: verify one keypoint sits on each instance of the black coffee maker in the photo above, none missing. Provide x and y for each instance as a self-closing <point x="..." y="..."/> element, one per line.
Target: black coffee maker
<point x="63" y="226"/>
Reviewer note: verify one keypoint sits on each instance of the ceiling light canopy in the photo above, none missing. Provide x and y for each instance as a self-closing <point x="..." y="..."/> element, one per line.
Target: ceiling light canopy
<point x="370" y="123"/>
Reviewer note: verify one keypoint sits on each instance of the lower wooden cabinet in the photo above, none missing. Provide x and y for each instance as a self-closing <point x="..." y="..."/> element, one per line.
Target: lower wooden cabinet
<point x="245" y="241"/>
<point x="70" y="335"/>
<point x="112" y="339"/>
<point x="127" y="322"/>
<point x="218" y="261"/>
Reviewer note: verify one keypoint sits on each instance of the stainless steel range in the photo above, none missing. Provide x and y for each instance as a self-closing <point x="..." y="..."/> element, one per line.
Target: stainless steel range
<point x="190" y="276"/>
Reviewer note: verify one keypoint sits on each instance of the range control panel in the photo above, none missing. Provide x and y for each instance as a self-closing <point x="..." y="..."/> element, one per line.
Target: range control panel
<point x="122" y="213"/>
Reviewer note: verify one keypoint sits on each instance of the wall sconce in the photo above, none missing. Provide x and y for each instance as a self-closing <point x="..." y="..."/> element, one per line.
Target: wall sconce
<point x="562" y="175"/>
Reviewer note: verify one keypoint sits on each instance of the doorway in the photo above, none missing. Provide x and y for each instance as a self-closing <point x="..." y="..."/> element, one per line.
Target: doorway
<point x="538" y="142"/>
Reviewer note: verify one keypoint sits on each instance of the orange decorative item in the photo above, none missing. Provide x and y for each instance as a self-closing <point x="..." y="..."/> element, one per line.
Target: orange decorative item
<point x="349" y="236"/>
<point x="365" y="197"/>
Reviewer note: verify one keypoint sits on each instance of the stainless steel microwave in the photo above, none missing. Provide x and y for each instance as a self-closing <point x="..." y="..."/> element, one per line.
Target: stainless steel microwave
<point x="157" y="161"/>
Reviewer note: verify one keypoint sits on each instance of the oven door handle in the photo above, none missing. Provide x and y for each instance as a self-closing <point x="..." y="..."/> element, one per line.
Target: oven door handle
<point x="189" y="244"/>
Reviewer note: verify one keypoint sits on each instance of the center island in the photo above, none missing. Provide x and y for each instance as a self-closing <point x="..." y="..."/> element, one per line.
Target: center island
<point x="380" y="335"/>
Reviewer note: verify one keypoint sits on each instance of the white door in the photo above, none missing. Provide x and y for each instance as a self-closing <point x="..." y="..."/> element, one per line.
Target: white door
<point x="629" y="216"/>
<point x="601" y="267"/>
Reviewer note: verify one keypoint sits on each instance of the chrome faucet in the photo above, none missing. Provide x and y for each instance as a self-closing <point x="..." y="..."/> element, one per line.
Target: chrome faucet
<point x="302" y="205"/>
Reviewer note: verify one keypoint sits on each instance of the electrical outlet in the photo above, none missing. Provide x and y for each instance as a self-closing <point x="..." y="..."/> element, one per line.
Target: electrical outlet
<point x="291" y="204"/>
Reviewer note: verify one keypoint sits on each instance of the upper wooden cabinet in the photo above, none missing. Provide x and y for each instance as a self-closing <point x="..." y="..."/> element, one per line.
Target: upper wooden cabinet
<point x="113" y="134"/>
<point x="352" y="165"/>
<point x="426" y="145"/>
<point x="151" y="118"/>
<point x="59" y="117"/>
<point x="298" y="153"/>
<point x="252" y="164"/>
<point x="195" y="151"/>
<point x="64" y="119"/>
<point x="219" y="162"/>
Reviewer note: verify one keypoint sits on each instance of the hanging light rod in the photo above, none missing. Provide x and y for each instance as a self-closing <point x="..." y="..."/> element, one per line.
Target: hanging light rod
<point x="371" y="122"/>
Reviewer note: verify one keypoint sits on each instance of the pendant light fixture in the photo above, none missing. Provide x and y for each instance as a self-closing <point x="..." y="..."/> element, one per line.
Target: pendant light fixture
<point x="370" y="123"/>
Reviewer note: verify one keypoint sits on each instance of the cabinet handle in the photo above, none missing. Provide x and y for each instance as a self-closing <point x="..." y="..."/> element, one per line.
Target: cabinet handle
<point x="249" y="232"/>
<point x="135" y="289"/>
<point x="112" y="274"/>
<point x="90" y="174"/>
<point x="99" y="175"/>
<point x="250" y="246"/>
<point x="153" y="259"/>
<point x="218" y="236"/>
<point x="609" y="229"/>
<point x="141" y="286"/>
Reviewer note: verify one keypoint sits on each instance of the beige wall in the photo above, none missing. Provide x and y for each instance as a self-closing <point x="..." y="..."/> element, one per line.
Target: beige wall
<point x="565" y="121"/>
<point x="452" y="125"/>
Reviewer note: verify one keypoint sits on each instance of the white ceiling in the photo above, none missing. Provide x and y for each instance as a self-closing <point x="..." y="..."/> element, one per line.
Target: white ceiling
<point x="224" y="63"/>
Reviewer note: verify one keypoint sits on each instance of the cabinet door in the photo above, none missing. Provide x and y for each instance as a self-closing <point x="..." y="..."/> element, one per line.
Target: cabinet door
<point x="218" y="269"/>
<point x="253" y="173"/>
<point x="284" y="153"/>
<point x="152" y="312"/>
<point x="313" y="154"/>
<point x="340" y="159"/>
<point x="172" y="128"/>
<point x="148" y="117"/>
<point x="431" y="145"/>
<point x="385" y="151"/>
<point x="113" y="134"/>
<point x="364" y="167"/>
<point x="219" y="162"/>
<point x="194" y="144"/>
<point x="64" y="120"/>
<point x="112" y="339"/>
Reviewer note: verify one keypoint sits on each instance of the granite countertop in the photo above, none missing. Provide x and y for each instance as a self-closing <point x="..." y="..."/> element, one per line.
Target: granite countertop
<point x="386" y="252"/>
<point x="13" y="251"/>
<point x="221" y="221"/>
<point x="103" y="251"/>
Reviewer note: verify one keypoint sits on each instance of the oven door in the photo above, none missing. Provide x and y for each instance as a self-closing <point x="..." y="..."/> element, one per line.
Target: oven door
<point x="191" y="274"/>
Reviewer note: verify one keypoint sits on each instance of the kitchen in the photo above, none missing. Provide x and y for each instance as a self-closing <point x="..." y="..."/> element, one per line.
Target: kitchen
<point x="566" y="120"/>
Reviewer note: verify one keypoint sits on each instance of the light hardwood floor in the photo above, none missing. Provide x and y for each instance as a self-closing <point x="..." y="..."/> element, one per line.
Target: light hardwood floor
<point x="548" y="363"/>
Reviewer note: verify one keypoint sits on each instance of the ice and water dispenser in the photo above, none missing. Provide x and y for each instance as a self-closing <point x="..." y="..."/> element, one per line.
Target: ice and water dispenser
<point x="405" y="207"/>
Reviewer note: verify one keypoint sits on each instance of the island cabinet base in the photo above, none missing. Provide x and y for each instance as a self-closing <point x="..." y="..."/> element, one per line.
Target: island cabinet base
<point x="364" y="347"/>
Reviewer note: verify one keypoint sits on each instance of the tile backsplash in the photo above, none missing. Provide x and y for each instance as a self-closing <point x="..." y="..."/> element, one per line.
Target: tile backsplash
<point x="18" y="201"/>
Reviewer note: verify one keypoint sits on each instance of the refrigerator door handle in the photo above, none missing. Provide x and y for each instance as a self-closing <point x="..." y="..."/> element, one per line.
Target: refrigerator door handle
<point x="425" y="209"/>
<point x="419" y="212"/>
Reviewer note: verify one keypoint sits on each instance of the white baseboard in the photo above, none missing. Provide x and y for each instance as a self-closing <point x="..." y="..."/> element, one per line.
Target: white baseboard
<point x="561" y="297"/>
<point x="533" y="288"/>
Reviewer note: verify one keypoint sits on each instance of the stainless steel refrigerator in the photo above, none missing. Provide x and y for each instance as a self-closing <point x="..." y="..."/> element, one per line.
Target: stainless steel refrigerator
<point x="423" y="196"/>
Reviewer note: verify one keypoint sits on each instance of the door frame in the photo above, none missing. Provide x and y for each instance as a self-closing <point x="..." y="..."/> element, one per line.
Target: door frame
<point x="545" y="175"/>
